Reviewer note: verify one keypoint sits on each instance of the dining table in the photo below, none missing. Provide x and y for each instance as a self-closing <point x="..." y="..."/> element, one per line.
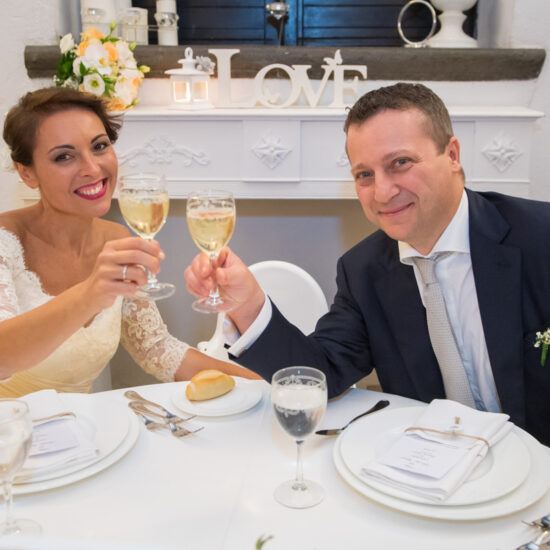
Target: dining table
<point x="213" y="490"/>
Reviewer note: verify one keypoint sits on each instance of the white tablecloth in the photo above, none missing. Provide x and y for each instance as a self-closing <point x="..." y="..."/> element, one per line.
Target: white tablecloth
<point x="214" y="490"/>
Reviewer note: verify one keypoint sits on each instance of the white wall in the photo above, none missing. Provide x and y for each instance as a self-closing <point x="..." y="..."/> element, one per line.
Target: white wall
<point x="310" y="233"/>
<point x="23" y="22"/>
<point x="530" y="28"/>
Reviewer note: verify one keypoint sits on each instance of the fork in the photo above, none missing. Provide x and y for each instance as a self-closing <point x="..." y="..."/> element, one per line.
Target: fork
<point x="175" y="430"/>
<point x="135" y="396"/>
<point x="536" y="543"/>
<point x="543" y="524"/>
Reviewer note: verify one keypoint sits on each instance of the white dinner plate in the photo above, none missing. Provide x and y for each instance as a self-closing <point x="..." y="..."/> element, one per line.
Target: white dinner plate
<point x="103" y="419"/>
<point x="504" y="468"/>
<point x="531" y="490"/>
<point x="91" y="469"/>
<point x="242" y="397"/>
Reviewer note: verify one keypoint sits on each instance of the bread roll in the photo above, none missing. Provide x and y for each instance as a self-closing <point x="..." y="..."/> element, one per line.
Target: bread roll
<point x="208" y="384"/>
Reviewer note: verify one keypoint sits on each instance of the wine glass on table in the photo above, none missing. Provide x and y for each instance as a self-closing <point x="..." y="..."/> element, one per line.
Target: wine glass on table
<point x="299" y="398"/>
<point x="144" y="201"/>
<point x="211" y="221"/>
<point x="15" y="443"/>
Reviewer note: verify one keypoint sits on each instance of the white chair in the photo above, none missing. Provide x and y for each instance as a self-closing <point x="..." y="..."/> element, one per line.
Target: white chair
<point x="292" y="289"/>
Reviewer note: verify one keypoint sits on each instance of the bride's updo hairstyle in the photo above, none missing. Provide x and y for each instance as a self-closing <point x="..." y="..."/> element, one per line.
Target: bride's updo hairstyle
<point x="22" y="121"/>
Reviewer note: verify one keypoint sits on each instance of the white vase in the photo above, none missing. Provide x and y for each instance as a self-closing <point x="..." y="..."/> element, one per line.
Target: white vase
<point x="451" y="34"/>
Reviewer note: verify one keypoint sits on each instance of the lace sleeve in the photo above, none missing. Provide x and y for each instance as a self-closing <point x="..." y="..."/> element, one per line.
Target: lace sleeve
<point x="9" y="304"/>
<point x="146" y="338"/>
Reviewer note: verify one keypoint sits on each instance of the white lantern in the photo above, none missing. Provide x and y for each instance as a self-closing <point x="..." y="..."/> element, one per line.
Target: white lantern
<point x="189" y="85"/>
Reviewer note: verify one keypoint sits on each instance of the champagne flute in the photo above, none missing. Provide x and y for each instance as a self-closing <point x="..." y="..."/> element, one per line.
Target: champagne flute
<point x="211" y="221"/>
<point x="144" y="202"/>
<point x="15" y="443"/>
<point x="299" y="398"/>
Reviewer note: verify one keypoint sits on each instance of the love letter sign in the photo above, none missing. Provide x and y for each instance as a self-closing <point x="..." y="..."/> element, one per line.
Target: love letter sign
<point x="298" y="79"/>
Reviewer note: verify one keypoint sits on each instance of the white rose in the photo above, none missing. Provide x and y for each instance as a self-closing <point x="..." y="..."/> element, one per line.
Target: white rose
<point x="66" y="43"/>
<point x="70" y="83"/>
<point x="125" y="55"/>
<point x="97" y="57"/>
<point x="125" y="91"/>
<point x="130" y="74"/>
<point x="93" y="84"/>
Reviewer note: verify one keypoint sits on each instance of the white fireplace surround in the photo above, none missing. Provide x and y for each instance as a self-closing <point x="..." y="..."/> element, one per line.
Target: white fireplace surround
<point x="298" y="153"/>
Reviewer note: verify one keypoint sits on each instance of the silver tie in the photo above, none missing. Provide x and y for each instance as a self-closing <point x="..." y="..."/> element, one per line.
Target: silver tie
<point x="443" y="341"/>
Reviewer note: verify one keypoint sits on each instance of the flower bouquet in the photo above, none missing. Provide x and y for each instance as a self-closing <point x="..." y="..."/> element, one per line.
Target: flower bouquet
<point x="101" y="65"/>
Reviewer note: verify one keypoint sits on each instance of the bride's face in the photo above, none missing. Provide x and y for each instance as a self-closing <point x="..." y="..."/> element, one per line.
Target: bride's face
<point x="73" y="164"/>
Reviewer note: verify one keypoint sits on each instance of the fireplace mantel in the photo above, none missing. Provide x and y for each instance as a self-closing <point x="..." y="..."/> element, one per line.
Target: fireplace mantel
<point x="299" y="153"/>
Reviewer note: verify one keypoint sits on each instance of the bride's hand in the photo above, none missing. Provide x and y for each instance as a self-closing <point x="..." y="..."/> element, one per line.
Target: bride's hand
<point x="119" y="269"/>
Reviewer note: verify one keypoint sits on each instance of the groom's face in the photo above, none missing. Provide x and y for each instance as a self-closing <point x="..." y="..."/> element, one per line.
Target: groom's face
<point x="406" y="186"/>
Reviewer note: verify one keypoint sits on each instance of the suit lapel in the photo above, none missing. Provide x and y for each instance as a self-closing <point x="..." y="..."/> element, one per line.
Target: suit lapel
<point x="497" y="275"/>
<point x="398" y="294"/>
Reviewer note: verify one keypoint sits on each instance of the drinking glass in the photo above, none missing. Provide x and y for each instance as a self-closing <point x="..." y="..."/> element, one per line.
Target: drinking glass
<point x="299" y="397"/>
<point x="144" y="202"/>
<point x="15" y="443"/>
<point x="211" y="221"/>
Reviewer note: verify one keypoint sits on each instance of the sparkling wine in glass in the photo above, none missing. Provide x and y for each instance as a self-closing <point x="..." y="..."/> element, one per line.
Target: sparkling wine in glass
<point x="15" y="443"/>
<point x="144" y="201"/>
<point x="299" y="398"/>
<point x="211" y="221"/>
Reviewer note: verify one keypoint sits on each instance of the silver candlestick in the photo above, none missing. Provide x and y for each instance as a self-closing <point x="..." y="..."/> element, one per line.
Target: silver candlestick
<point x="279" y="11"/>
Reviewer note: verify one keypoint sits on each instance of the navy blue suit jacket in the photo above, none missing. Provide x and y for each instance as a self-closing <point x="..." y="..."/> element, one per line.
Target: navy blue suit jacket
<point x="378" y="321"/>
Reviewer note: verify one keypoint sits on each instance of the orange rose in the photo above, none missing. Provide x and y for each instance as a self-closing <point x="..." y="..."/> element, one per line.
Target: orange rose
<point x="116" y="105"/>
<point x="82" y="48"/>
<point x="92" y="32"/>
<point x="112" y="51"/>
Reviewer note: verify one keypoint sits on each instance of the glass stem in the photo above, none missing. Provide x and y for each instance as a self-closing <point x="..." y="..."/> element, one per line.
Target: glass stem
<point x="151" y="277"/>
<point x="8" y="499"/>
<point x="299" y="484"/>
<point x="214" y="294"/>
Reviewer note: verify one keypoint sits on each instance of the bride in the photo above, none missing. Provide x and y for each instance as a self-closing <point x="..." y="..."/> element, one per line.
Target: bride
<point x="67" y="276"/>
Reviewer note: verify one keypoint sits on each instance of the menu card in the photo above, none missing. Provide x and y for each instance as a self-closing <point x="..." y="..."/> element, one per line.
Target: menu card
<point x="438" y="452"/>
<point x="57" y="441"/>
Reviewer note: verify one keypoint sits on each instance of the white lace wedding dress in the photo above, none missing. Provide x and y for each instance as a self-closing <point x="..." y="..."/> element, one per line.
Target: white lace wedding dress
<point x="74" y="365"/>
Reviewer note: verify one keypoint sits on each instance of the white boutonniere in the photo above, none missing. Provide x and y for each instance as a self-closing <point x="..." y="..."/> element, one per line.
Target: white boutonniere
<point x="543" y="339"/>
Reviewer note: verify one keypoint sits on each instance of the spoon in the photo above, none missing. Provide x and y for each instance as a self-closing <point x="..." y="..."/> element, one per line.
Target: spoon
<point x="335" y="431"/>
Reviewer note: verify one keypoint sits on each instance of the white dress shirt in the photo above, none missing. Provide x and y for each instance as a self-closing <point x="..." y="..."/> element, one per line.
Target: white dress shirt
<point x="456" y="279"/>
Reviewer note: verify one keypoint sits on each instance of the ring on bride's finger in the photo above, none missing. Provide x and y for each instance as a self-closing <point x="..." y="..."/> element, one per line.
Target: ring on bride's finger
<point x="124" y="269"/>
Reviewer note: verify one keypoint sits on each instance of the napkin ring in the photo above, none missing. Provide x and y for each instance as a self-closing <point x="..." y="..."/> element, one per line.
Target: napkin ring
<point x="454" y="431"/>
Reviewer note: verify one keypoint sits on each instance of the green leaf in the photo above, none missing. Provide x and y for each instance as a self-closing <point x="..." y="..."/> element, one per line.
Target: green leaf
<point x="65" y="65"/>
<point x="261" y="541"/>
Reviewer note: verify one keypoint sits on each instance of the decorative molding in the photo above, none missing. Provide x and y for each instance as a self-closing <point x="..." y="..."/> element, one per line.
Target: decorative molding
<point x="160" y="150"/>
<point x="502" y="152"/>
<point x="271" y="151"/>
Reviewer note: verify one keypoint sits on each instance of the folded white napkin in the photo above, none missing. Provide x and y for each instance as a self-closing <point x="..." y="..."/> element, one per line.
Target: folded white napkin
<point x="57" y="442"/>
<point x="432" y="464"/>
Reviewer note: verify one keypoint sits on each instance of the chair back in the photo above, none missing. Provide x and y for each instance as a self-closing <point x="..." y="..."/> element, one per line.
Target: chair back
<point x="292" y="289"/>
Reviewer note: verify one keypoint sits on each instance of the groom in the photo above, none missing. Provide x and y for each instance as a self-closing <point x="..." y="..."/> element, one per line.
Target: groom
<point x="492" y="255"/>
